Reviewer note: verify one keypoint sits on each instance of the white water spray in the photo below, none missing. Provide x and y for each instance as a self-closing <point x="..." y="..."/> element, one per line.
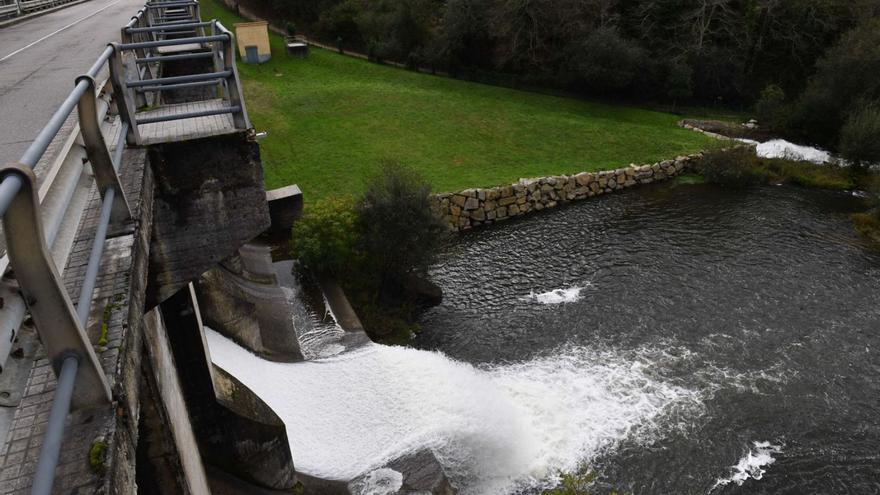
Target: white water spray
<point x="557" y="296"/>
<point x="494" y="430"/>
<point x="752" y="465"/>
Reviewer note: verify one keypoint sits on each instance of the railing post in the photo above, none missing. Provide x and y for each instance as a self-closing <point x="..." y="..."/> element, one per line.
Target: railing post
<point x="124" y="98"/>
<point x="98" y="153"/>
<point x="233" y="90"/>
<point x="43" y="290"/>
<point x="18" y="7"/>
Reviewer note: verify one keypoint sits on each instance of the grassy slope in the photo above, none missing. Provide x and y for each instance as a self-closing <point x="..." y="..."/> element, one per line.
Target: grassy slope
<point x="332" y="120"/>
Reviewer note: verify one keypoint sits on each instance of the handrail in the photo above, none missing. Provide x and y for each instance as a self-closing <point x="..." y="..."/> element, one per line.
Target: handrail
<point x="21" y="7"/>
<point x="60" y="328"/>
<point x="60" y="324"/>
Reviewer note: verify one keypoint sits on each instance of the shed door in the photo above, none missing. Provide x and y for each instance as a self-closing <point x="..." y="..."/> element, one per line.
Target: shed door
<point x="251" y="55"/>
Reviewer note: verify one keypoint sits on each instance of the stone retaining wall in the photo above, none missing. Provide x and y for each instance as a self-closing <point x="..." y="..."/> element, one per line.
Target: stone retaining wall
<point x="475" y="207"/>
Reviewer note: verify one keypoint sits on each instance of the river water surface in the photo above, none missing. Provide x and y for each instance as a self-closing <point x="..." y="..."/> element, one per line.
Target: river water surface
<point x="694" y="339"/>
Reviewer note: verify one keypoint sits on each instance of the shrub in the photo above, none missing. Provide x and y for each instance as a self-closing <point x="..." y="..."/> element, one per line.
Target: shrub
<point x="860" y="135"/>
<point x="401" y="233"/>
<point x="732" y="168"/>
<point x="290" y="28"/>
<point x="325" y="239"/>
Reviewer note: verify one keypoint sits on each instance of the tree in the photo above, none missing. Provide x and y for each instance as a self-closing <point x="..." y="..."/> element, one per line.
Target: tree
<point x="401" y="234"/>
<point x="463" y="38"/>
<point x="340" y="22"/>
<point x="678" y="83"/>
<point x="860" y="135"/>
<point x="846" y="76"/>
<point x="606" y="62"/>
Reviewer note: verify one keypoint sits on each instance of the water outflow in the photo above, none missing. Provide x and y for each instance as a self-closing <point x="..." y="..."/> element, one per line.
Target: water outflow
<point x="496" y="429"/>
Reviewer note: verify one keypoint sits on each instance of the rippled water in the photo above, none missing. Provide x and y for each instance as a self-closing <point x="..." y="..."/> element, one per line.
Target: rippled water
<point x="763" y="303"/>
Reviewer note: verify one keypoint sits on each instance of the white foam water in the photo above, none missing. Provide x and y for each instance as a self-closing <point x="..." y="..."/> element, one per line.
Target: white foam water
<point x="752" y="465"/>
<point x="495" y="430"/>
<point x="557" y="296"/>
<point x="382" y="481"/>
<point x="780" y="148"/>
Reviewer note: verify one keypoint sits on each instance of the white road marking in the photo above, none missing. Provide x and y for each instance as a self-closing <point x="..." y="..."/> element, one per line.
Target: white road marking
<point x="53" y="33"/>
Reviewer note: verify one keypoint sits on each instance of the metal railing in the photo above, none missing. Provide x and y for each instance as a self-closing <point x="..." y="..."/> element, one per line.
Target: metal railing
<point x="162" y="25"/>
<point x="60" y="326"/>
<point x="35" y="283"/>
<point x="21" y="7"/>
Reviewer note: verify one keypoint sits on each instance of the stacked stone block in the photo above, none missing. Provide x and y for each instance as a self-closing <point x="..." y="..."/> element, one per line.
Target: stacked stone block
<point x="471" y="208"/>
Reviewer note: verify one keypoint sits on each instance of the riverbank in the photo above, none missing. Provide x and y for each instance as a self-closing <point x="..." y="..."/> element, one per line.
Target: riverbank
<point x="332" y="120"/>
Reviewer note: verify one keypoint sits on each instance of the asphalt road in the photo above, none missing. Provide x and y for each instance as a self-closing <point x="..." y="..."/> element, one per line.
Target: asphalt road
<point x="40" y="58"/>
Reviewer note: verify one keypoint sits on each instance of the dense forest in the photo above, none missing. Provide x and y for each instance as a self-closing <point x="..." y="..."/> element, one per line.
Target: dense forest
<point x="807" y="67"/>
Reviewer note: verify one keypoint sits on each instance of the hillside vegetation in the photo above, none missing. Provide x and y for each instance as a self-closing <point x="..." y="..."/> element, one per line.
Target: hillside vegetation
<point x="333" y="119"/>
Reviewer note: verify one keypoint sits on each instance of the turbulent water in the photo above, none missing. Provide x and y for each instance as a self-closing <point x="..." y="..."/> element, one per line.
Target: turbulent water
<point x="676" y="339"/>
<point x="496" y="429"/>
<point x="746" y="323"/>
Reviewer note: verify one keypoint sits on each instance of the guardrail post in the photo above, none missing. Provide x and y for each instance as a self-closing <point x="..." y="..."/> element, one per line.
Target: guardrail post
<point x="233" y="90"/>
<point x="44" y="292"/>
<point x="98" y="153"/>
<point x="18" y="7"/>
<point x="124" y="97"/>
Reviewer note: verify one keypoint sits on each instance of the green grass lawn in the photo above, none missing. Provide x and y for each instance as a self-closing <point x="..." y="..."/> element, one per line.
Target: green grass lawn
<point x="332" y="120"/>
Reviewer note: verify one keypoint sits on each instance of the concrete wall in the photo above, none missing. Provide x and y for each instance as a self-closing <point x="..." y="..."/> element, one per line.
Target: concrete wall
<point x="172" y="413"/>
<point x="209" y="201"/>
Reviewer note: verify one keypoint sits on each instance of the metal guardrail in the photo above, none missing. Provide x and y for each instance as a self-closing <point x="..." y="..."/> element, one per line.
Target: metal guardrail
<point x="162" y="25"/>
<point x="134" y="67"/>
<point x="21" y="7"/>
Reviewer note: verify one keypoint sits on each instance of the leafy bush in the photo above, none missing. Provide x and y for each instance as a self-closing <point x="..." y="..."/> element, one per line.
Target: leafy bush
<point x="740" y="167"/>
<point x="731" y="168"/>
<point x="860" y="135"/>
<point x="326" y="238"/>
<point x="375" y="247"/>
<point x="401" y="234"/>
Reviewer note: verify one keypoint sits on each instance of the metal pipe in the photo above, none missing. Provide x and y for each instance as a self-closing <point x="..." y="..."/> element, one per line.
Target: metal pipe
<point x="168" y="87"/>
<point x="173" y="27"/>
<point x="178" y="41"/>
<point x="169" y="58"/>
<point x="120" y="146"/>
<point x="88" y="285"/>
<point x="179" y="79"/>
<point x="48" y="460"/>
<point x="169" y="5"/>
<point x="99" y="64"/>
<point x="35" y="151"/>
<point x="171" y="23"/>
<point x="8" y="189"/>
<point x="190" y="115"/>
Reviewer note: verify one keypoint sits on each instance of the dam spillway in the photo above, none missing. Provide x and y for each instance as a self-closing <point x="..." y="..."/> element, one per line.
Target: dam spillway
<point x="495" y="429"/>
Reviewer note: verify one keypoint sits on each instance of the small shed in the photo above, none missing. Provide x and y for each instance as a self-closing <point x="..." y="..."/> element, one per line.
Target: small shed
<point x="253" y="41"/>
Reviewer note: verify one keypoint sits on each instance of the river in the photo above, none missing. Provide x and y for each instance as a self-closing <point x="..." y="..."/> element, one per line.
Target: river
<point x="672" y="339"/>
<point x="764" y="305"/>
